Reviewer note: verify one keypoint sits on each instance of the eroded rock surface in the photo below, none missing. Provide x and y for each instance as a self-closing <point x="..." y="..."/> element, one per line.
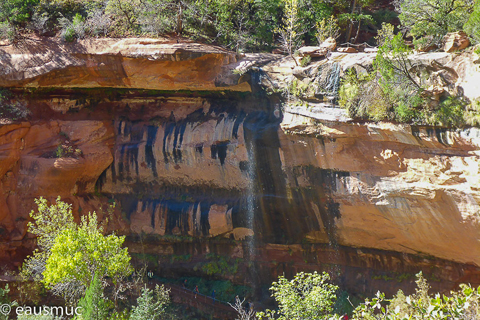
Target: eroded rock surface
<point x="202" y="172"/>
<point x="155" y="64"/>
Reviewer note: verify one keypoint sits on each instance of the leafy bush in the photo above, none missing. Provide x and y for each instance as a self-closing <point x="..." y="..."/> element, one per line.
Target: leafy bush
<point x="93" y="305"/>
<point x="393" y="91"/>
<point x="472" y="27"/>
<point x="305" y="61"/>
<point x="306" y="296"/>
<point x="386" y="33"/>
<point x="461" y="304"/>
<point x="429" y="20"/>
<point x="7" y="31"/>
<point x="450" y="113"/>
<point x="327" y="28"/>
<point x="363" y="97"/>
<point x="151" y="304"/>
<point x="81" y="251"/>
<point x="5" y="300"/>
<point x="14" y="14"/>
<point x="76" y="29"/>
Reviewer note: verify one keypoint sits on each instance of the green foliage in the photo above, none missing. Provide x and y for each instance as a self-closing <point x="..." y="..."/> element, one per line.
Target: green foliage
<point x="297" y="89"/>
<point x="449" y="113"/>
<point x="400" y="87"/>
<point x="362" y="96"/>
<point x="14" y="14"/>
<point x="395" y="90"/>
<point x="5" y="300"/>
<point x="77" y="29"/>
<point x="306" y="296"/>
<point x="9" y="108"/>
<point x="151" y="304"/>
<point x="313" y="12"/>
<point x="305" y="61"/>
<point x="93" y="305"/>
<point x="29" y="291"/>
<point x="48" y="223"/>
<point x="429" y="20"/>
<point x="472" y="26"/>
<point x="267" y="16"/>
<point x="291" y="30"/>
<point x="218" y="265"/>
<point x="80" y="252"/>
<point x="461" y="304"/>
<point x="327" y="28"/>
<point x="124" y="15"/>
<point x="385" y="34"/>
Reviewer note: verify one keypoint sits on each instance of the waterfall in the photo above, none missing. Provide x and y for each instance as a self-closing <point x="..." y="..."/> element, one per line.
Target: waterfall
<point x="250" y="209"/>
<point x="328" y="80"/>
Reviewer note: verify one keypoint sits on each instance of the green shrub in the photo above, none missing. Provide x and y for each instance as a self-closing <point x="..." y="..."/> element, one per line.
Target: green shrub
<point x="461" y="304"/>
<point x="450" y="113"/>
<point x="151" y="304"/>
<point x="472" y="27"/>
<point x="327" y="28"/>
<point x="429" y="20"/>
<point x="306" y="296"/>
<point x="362" y="96"/>
<point x="7" y="31"/>
<point x="305" y="61"/>
<point x="385" y="34"/>
<point x="14" y="15"/>
<point x="93" y="305"/>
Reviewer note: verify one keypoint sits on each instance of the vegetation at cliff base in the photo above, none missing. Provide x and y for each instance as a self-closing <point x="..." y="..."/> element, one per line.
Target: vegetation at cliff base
<point x="79" y="261"/>
<point x="310" y="296"/>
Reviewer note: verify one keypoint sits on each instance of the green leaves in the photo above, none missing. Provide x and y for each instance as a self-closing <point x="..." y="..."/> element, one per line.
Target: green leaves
<point x="151" y="304"/>
<point x="472" y="26"/>
<point x="93" y="305"/>
<point x="306" y="296"/>
<point x="462" y="304"/>
<point x="69" y="255"/>
<point x="429" y="20"/>
<point x="80" y="252"/>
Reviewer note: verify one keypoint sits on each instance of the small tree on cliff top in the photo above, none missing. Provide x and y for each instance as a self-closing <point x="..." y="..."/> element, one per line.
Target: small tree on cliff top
<point x="290" y="33"/>
<point x="429" y="20"/>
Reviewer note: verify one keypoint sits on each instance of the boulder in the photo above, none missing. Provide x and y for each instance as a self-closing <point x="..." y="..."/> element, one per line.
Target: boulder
<point x="329" y="44"/>
<point x="347" y="50"/>
<point x="370" y="50"/>
<point x="455" y="41"/>
<point x="313" y="52"/>
<point x="427" y="48"/>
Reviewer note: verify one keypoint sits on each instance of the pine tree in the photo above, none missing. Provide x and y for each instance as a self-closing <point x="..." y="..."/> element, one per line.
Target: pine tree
<point x="93" y="305"/>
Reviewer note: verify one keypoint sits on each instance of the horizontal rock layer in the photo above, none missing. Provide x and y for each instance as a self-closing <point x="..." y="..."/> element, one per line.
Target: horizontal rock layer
<point x="154" y="64"/>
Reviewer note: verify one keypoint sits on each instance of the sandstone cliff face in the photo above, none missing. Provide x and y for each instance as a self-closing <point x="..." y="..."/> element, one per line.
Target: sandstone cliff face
<point x="154" y="64"/>
<point x="201" y="172"/>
